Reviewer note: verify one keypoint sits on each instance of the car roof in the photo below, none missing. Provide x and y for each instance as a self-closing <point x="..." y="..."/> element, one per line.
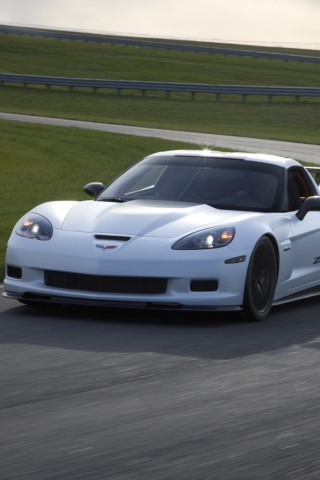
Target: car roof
<point x="250" y="157"/>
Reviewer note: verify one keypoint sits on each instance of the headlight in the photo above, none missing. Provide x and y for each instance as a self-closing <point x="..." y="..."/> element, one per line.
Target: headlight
<point x="209" y="238"/>
<point x="35" y="226"/>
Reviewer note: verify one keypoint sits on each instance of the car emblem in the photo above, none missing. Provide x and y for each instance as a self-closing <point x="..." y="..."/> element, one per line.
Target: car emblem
<point x="105" y="247"/>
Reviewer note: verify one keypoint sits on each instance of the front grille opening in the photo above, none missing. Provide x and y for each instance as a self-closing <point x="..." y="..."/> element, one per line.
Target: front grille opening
<point x="14" y="272"/>
<point x="204" y="285"/>
<point x="118" y="238"/>
<point x="105" y="284"/>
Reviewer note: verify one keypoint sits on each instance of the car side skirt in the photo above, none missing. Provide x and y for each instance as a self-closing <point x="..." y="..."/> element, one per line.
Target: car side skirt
<point x="308" y="293"/>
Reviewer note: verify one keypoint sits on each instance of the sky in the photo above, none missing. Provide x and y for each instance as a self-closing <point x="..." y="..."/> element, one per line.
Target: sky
<point x="291" y="23"/>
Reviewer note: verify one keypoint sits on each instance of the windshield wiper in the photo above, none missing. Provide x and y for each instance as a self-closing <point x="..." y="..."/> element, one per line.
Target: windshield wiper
<point x="112" y="199"/>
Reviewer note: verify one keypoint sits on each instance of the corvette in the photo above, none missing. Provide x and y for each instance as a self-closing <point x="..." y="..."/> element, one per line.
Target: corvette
<point x="189" y="229"/>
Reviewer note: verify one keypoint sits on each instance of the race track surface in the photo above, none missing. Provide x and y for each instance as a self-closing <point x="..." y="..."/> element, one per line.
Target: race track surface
<point x="128" y="395"/>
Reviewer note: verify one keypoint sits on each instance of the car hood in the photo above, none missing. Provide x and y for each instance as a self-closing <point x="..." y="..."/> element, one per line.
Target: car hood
<point x="148" y="218"/>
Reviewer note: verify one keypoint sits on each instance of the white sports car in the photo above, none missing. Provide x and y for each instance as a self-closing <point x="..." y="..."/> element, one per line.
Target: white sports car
<point x="200" y="230"/>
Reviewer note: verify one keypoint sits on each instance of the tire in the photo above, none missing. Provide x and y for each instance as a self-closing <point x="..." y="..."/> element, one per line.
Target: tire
<point x="260" y="282"/>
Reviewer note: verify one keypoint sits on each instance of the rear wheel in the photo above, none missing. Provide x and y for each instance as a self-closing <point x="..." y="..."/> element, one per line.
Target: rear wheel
<point x="260" y="282"/>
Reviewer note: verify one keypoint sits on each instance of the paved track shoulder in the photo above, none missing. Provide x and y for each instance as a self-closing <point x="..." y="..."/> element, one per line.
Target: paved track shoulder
<point x="299" y="151"/>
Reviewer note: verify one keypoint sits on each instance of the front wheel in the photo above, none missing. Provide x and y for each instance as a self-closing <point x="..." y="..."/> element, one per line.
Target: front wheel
<point x="260" y="282"/>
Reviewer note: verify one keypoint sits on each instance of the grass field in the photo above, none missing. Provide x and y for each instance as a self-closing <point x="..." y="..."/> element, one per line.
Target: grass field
<point x="64" y="58"/>
<point x="279" y="121"/>
<point x="282" y="119"/>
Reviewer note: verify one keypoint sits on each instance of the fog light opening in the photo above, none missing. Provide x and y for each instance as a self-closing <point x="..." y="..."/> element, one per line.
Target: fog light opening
<point x="14" y="272"/>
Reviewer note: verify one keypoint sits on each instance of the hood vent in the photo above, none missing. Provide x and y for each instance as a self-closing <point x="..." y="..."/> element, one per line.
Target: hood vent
<point x="112" y="237"/>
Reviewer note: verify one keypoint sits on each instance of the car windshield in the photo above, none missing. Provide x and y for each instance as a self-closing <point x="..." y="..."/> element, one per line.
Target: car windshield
<point x="220" y="182"/>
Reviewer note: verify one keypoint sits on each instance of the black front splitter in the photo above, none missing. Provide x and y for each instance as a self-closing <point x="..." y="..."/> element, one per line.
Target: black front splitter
<point x="30" y="298"/>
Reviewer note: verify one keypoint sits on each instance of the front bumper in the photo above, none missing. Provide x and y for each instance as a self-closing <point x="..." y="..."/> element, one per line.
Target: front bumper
<point x="79" y="253"/>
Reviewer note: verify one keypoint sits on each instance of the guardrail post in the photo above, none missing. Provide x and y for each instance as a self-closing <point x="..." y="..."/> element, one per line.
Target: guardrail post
<point x="119" y="91"/>
<point x="269" y="98"/>
<point x="244" y="96"/>
<point x="297" y="98"/>
<point x="193" y="95"/>
<point x="217" y="97"/>
<point x="168" y="94"/>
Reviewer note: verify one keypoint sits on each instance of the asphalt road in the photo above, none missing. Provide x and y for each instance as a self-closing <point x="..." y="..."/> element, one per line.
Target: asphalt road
<point x="128" y="395"/>
<point x="298" y="151"/>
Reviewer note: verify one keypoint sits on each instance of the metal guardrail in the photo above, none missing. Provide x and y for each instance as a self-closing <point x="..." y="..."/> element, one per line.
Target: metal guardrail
<point x="167" y="46"/>
<point x="167" y="87"/>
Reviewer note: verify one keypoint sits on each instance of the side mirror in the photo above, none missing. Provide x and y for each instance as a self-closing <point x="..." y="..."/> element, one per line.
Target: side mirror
<point x="311" y="204"/>
<point x="93" y="189"/>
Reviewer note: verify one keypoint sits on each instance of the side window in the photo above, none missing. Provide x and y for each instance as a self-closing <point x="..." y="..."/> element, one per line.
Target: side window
<point x="298" y="189"/>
